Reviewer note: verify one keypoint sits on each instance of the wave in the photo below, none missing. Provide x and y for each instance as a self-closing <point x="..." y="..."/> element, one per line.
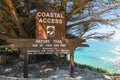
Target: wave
<point x="107" y="59"/>
<point x="116" y="50"/>
<point x="117" y="62"/>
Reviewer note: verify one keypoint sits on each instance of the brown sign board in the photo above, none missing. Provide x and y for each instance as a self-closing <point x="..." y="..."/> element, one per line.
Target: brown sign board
<point x="50" y="39"/>
<point x="47" y="46"/>
<point x="39" y="43"/>
<point x="50" y="25"/>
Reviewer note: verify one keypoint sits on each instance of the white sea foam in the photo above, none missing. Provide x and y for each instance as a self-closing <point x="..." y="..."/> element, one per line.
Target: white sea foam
<point x="107" y="59"/>
<point x="116" y="50"/>
<point x="117" y="62"/>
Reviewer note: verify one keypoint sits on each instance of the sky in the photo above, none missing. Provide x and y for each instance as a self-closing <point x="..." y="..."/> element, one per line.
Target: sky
<point x="111" y="14"/>
<point x="115" y="37"/>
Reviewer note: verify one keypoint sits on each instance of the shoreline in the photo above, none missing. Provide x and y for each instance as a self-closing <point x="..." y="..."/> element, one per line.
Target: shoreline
<point x="96" y="69"/>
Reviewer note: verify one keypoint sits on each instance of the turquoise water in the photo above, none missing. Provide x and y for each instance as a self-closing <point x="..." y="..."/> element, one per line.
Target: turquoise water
<point x="102" y="54"/>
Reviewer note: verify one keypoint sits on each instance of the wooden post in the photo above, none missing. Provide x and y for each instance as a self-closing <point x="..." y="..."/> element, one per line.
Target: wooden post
<point x="72" y="63"/>
<point x="25" y="68"/>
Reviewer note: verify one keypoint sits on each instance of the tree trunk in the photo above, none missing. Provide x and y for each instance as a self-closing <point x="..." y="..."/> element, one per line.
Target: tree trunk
<point x="16" y="18"/>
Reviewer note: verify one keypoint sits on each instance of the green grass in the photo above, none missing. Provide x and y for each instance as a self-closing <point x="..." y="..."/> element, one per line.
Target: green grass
<point x="54" y="57"/>
<point x="99" y="70"/>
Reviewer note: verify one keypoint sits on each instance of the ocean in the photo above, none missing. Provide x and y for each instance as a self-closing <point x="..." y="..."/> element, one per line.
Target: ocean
<point x="100" y="54"/>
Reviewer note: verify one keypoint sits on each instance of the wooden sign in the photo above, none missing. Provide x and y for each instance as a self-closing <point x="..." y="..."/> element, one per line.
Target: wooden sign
<point x="45" y="46"/>
<point x="50" y="25"/>
<point x="50" y="39"/>
<point x="39" y="42"/>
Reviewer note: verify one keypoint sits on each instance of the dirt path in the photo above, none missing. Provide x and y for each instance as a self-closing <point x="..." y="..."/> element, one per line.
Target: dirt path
<point x="48" y="70"/>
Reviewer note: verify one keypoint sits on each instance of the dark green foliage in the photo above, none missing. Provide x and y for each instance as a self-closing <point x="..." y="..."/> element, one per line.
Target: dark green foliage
<point x="2" y="42"/>
<point x="88" y="67"/>
<point x="55" y="57"/>
<point x="37" y="58"/>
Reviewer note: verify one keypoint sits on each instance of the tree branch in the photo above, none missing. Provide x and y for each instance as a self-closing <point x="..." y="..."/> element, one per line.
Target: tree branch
<point x="99" y="36"/>
<point x="105" y="21"/>
<point x="8" y="30"/>
<point x="81" y="22"/>
<point x="98" y="13"/>
<point x="15" y="17"/>
<point x="3" y="37"/>
<point x="108" y="8"/>
<point x="4" y="7"/>
<point x="81" y="6"/>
